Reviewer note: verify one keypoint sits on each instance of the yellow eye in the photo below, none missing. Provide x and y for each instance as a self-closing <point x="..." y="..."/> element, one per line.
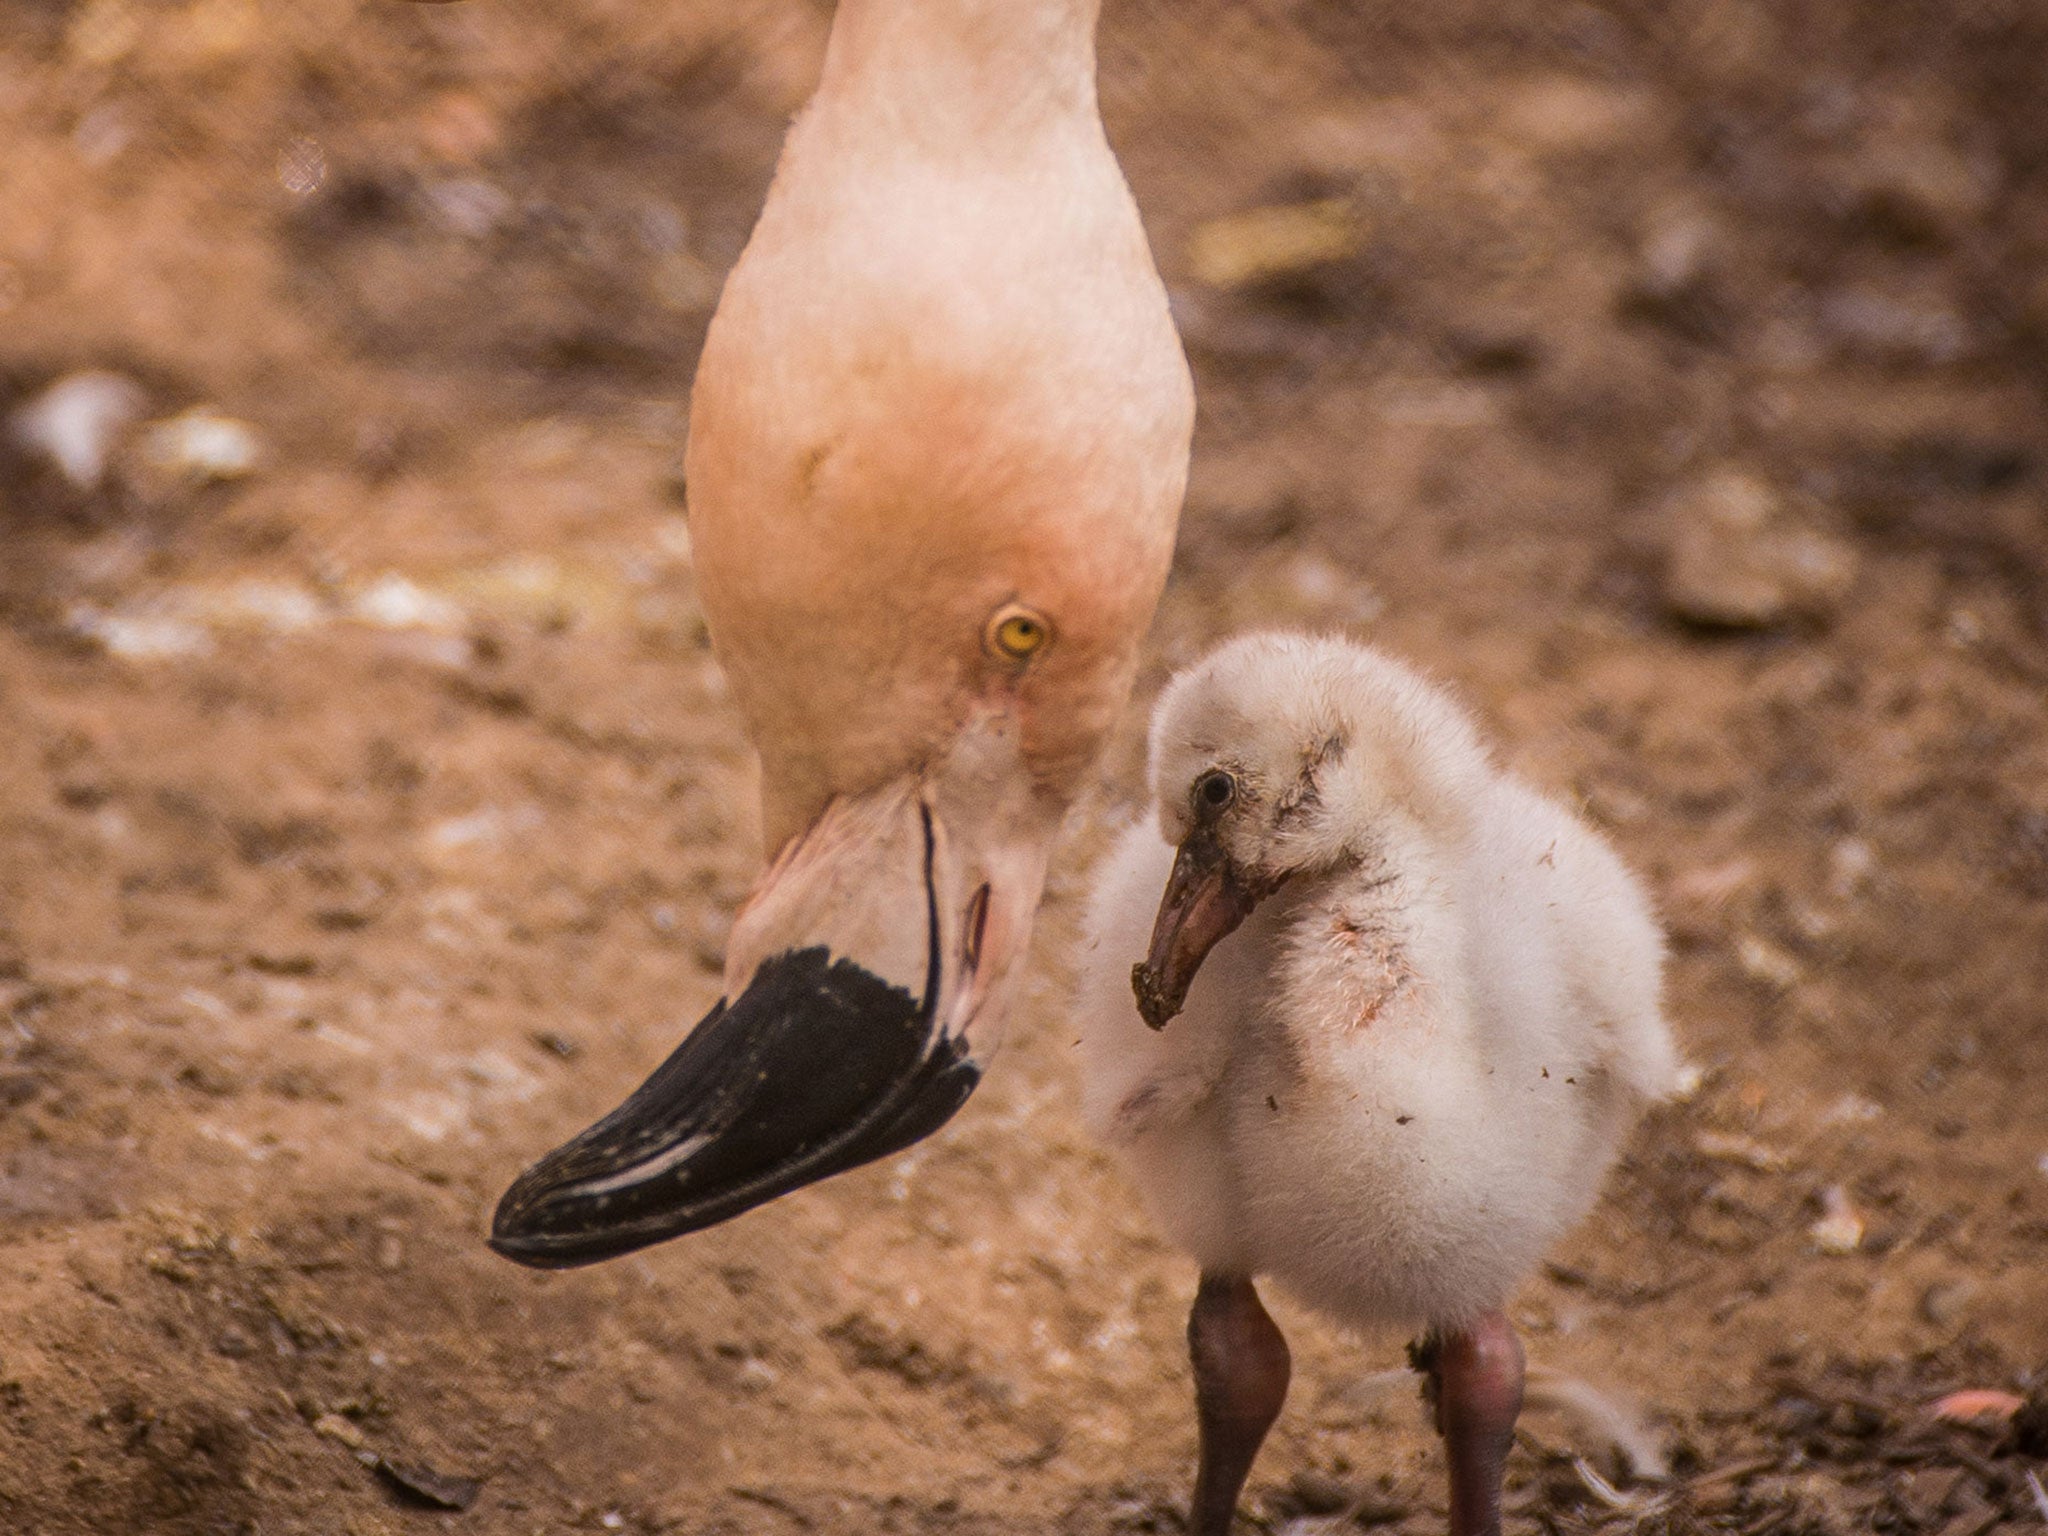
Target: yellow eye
<point x="1016" y="632"/>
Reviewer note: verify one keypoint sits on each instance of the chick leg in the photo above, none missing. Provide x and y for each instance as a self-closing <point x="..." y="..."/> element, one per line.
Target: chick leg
<point x="1241" y="1368"/>
<point x="1474" y="1382"/>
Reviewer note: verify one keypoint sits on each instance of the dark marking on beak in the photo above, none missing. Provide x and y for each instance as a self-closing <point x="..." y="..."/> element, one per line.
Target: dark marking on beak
<point x="818" y="1066"/>
<point x="1205" y="900"/>
<point x="976" y="928"/>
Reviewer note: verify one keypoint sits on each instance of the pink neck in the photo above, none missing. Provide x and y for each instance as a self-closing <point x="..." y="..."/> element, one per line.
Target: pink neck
<point x="979" y="68"/>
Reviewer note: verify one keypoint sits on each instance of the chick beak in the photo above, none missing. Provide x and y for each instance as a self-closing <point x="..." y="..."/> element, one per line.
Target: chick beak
<point x="1206" y="898"/>
<point x="854" y="975"/>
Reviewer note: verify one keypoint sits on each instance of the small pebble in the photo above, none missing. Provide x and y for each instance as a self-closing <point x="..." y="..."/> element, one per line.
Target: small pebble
<point x="1901" y="328"/>
<point x="1736" y="559"/>
<point x="1763" y="961"/>
<point x="1852" y="1109"/>
<point x="1260" y="244"/>
<point x="394" y="602"/>
<point x="78" y="422"/>
<point x="142" y="636"/>
<point x="1840" y="1228"/>
<point x="332" y="1426"/>
<point x="1730" y="1147"/>
<point x="1317" y="1492"/>
<point x="1851" y="863"/>
<point x="468" y="206"/>
<point x="203" y="446"/>
<point x="1919" y="188"/>
<point x="1944" y="1304"/>
<point x="422" y="1484"/>
<point x="1677" y="252"/>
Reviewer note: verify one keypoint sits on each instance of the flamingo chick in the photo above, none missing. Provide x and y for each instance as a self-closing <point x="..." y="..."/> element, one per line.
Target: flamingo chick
<point x="937" y="446"/>
<point x="1429" y="1014"/>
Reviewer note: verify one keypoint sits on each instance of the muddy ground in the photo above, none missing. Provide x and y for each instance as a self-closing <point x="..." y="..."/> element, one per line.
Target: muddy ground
<point x="1668" y="378"/>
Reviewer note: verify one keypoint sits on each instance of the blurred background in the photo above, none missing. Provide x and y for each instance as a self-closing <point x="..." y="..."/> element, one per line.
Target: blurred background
<point x="1667" y="377"/>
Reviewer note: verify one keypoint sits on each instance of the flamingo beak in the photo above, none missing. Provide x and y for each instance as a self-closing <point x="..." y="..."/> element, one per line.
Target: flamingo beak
<point x="1205" y="899"/>
<point x="863" y="961"/>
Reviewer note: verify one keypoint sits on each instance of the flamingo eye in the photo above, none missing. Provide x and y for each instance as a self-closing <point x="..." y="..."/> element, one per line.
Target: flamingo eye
<point x="1016" y="632"/>
<point x="1215" y="790"/>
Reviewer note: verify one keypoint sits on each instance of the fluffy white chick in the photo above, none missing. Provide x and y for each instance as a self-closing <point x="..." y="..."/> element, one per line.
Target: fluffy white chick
<point x="1428" y="1011"/>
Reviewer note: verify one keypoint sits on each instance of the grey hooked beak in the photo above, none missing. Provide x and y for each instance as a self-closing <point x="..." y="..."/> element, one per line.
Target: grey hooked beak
<point x="834" y="1053"/>
<point x="1204" y="902"/>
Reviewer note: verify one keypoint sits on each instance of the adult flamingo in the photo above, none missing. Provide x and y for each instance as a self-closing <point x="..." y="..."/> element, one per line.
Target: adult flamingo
<point x="938" y="443"/>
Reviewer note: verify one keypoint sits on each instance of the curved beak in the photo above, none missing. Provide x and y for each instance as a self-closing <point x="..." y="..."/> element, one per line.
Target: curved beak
<point x="854" y="974"/>
<point x="1204" y="902"/>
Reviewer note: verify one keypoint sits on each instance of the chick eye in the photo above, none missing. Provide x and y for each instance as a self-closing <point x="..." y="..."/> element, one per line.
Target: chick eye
<point x="1215" y="790"/>
<point x="1016" y="632"/>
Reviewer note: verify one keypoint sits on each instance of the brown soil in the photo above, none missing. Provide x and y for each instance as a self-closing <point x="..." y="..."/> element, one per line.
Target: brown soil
<point x="327" y="901"/>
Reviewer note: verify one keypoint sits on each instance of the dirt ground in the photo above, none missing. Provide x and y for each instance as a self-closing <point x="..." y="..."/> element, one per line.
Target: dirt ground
<point x="1670" y="378"/>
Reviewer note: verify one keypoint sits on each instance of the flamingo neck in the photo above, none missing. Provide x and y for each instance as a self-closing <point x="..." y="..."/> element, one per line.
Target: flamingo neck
<point x="963" y="71"/>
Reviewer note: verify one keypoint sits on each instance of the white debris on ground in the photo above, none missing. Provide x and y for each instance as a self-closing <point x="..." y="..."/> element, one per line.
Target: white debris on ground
<point x="78" y="422"/>
<point x="461" y="1086"/>
<point x="202" y="446"/>
<point x="1852" y="1109"/>
<point x="1763" y="961"/>
<point x="1840" y="1228"/>
<point x="89" y="426"/>
<point x="525" y="591"/>
<point x="1747" y="1151"/>
<point x="398" y="602"/>
<point x="139" y="634"/>
<point x="484" y="828"/>
<point x="1603" y="1420"/>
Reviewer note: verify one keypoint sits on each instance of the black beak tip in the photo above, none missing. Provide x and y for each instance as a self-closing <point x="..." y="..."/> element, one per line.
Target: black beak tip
<point x="532" y="1251"/>
<point x="1157" y="1002"/>
<point x="518" y="1251"/>
<point x="527" y="1231"/>
<point x="819" y="1066"/>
